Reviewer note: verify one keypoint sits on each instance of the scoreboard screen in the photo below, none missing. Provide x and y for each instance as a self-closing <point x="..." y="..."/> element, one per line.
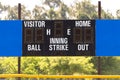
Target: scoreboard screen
<point x="58" y="38"/>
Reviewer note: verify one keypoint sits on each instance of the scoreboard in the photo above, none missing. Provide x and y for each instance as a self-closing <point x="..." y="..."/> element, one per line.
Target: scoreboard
<point x="58" y="38"/>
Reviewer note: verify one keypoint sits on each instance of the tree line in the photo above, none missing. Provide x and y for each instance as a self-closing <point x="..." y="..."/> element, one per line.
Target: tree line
<point x="57" y="9"/>
<point x="60" y="65"/>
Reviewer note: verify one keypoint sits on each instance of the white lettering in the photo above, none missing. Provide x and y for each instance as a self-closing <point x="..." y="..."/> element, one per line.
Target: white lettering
<point x="68" y="31"/>
<point x="83" y="47"/>
<point x="48" y="32"/>
<point x="33" y="47"/>
<point x="83" y="23"/>
<point x="58" y="47"/>
<point x="29" y="47"/>
<point x="34" y="23"/>
<point x="58" y="40"/>
<point x="50" y="47"/>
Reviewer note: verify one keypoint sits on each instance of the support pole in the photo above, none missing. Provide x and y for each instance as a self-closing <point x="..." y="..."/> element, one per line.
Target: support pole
<point x="99" y="9"/>
<point x="19" y="58"/>
<point x="99" y="58"/>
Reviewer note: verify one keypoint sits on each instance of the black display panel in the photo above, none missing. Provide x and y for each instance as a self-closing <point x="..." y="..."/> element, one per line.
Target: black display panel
<point x="58" y="38"/>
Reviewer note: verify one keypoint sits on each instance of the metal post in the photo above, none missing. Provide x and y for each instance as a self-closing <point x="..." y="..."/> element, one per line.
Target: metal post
<point x="19" y="58"/>
<point x="99" y="58"/>
<point x="99" y="9"/>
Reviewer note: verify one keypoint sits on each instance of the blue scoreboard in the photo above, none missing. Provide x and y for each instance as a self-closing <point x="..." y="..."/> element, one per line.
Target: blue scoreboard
<point x="59" y="38"/>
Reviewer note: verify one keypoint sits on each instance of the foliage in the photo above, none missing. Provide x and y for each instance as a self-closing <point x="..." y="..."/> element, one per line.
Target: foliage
<point x="8" y="65"/>
<point x="109" y="65"/>
<point x="48" y="65"/>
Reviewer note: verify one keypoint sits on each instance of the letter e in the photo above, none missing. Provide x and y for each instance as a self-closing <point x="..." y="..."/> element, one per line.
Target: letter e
<point x="68" y="31"/>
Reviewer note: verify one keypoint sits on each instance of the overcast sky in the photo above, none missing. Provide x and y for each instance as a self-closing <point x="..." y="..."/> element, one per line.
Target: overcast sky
<point x="110" y="5"/>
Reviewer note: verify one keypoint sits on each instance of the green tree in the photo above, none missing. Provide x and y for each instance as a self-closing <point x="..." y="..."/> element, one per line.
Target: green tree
<point x="71" y="65"/>
<point x="1" y="66"/>
<point x="109" y="65"/>
<point x="3" y="9"/>
<point x="52" y="5"/>
<point x="8" y="65"/>
<point x="63" y="11"/>
<point x="118" y="14"/>
<point x="106" y="15"/>
<point x="56" y="9"/>
<point x="59" y="65"/>
<point x="39" y="13"/>
<point x="85" y="10"/>
<point x="13" y="13"/>
<point x="30" y="65"/>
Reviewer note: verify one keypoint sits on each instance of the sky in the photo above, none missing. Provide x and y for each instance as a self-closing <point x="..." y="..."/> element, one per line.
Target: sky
<point x="108" y="5"/>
